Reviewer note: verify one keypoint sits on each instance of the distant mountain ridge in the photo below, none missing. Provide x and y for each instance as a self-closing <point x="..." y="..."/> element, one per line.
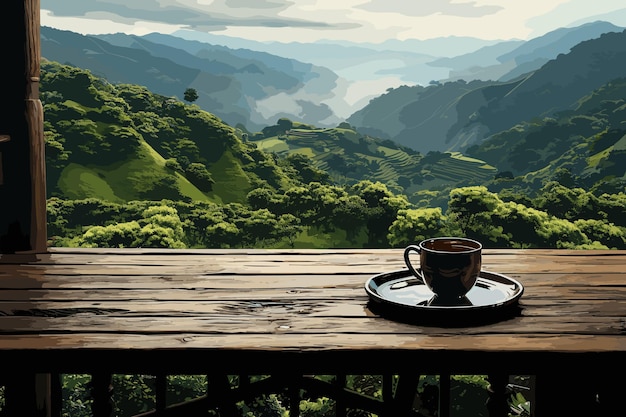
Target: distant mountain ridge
<point x="511" y="59"/>
<point x="242" y="88"/>
<point x="455" y="115"/>
<point x="253" y="89"/>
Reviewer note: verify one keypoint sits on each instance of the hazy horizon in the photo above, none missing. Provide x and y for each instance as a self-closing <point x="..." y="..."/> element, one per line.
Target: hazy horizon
<point x="307" y="21"/>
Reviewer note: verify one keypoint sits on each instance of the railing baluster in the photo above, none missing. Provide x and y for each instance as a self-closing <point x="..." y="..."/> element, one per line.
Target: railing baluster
<point x="444" y="395"/>
<point x="570" y="393"/>
<point x="56" y="394"/>
<point x="532" y="394"/>
<point x="219" y="387"/>
<point x="161" y="392"/>
<point x="340" y="401"/>
<point x="610" y="394"/>
<point x="406" y="390"/>
<point x="388" y="389"/>
<point x="497" y="403"/>
<point x="102" y="392"/>
<point x="293" y="390"/>
<point x="26" y="394"/>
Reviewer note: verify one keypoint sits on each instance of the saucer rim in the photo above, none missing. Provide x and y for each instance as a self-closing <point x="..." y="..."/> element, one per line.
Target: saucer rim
<point x="484" y="275"/>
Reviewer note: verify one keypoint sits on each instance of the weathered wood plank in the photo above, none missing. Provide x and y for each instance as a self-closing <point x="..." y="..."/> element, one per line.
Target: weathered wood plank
<point x="143" y="303"/>
<point x="277" y="266"/>
<point x="12" y="277"/>
<point x="530" y="258"/>
<point x="282" y="319"/>
<point x="280" y="342"/>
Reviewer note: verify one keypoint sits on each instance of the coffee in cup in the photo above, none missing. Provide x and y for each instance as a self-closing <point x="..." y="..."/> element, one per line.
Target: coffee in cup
<point x="449" y="266"/>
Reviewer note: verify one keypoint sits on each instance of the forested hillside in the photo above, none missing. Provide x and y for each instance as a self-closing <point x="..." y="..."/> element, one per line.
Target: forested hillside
<point x="242" y="87"/>
<point x="584" y="147"/>
<point x="121" y="135"/>
<point x="121" y="142"/>
<point x="455" y="115"/>
<point x="129" y="168"/>
<point x="349" y="157"/>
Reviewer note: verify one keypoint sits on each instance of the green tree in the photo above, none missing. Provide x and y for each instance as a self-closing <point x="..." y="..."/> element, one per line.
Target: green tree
<point x="567" y="203"/>
<point x="284" y="124"/>
<point x="258" y="227"/>
<point x="300" y="202"/>
<point x="613" y="207"/>
<point x="288" y="227"/>
<point x="162" y="228"/>
<point x="121" y="235"/>
<point x="414" y="225"/>
<point x="382" y="209"/>
<point x="614" y="237"/>
<point x="265" y="197"/>
<point x="563" y="234"/>
<point x="519" y="224"/>
<point x="214" y="227"/>
<point x="465" y="204"/>
<point x="349" y="214"/>
<point x="303" y="169"/>
<point x="199" y="176"/>
<point x="190" y="95"/>
<point x="325" y="199"/>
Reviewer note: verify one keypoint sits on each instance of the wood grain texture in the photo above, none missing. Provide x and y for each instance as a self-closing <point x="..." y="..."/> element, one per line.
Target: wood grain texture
<point x="162" y="310"/>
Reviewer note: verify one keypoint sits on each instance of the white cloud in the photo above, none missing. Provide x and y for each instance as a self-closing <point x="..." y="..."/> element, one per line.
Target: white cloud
<point x="311" y="20"/>
<point x="96" y="23"/>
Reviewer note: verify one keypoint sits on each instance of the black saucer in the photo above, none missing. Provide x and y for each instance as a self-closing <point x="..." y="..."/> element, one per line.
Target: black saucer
<point x="401" y="295"/>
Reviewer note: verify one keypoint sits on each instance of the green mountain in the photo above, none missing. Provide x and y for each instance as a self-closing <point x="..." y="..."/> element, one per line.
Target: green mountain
<point x="239" y="86"/>
<point x="350" y="157"/>
<point x="122" y="142"/>
<point x="456" y="115"/>
<point x="588" y="144"/>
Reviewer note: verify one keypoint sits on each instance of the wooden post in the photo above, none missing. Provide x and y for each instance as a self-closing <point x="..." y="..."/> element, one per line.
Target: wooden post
<point x="27" y="394"/>
<point x="22" y="180"/>
<point x="22" y="149"/>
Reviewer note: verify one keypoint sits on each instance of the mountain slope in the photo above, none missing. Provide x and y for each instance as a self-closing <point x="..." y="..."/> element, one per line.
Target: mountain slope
<point x="253" y="90"/>
<point x="508" y="60"/>
<point x="350" y="157"/>
<point x="455" y="115"/>
<point x="588" y="142"/>
<point x="122" y="142"/>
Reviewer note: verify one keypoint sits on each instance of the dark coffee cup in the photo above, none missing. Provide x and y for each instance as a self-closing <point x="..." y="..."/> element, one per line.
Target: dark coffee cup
<point x="449" y="266"/>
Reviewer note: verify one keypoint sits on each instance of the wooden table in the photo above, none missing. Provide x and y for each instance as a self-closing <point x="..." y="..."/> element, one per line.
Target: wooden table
<point x="301" y="312"/>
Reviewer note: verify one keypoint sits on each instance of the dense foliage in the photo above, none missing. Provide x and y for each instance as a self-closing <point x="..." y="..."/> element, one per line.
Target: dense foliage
<point x="365" y="215"/>
<point x="121" y="142"/>
<point x="129" y="168"/>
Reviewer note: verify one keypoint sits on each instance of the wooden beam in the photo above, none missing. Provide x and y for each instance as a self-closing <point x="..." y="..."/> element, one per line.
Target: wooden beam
<point x="34" y="120"/>
<point x="23" y="181"/>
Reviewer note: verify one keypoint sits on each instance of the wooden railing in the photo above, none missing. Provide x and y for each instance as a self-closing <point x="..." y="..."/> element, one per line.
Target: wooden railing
<point x="395" y="395"/>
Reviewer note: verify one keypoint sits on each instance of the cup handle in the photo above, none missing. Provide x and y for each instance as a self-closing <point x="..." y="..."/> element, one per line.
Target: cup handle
<point x="407" y="261"/>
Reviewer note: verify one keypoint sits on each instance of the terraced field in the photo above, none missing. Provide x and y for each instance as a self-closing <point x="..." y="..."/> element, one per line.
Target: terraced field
<point x="349" y="157"/>
<point x="459" y="167"/>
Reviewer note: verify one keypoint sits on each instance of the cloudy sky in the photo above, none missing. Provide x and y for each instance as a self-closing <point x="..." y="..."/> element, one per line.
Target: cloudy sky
<point x="312" y="20"/>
